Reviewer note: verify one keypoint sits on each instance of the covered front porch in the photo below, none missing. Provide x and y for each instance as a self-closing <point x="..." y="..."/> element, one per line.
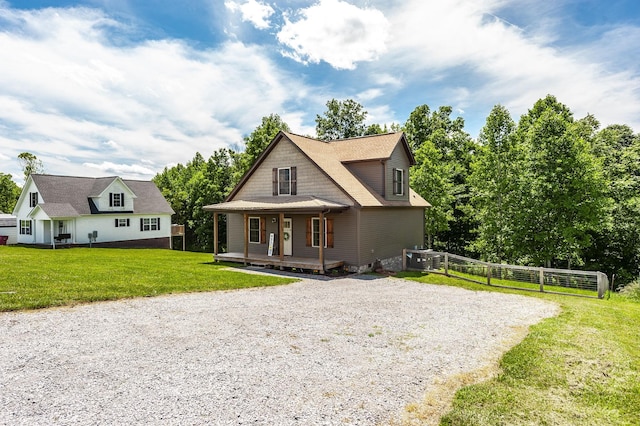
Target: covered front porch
<point x="274" y="252"/>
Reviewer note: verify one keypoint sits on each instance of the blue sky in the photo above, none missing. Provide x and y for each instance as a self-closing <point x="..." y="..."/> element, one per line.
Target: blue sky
<point x="127" y="87"/>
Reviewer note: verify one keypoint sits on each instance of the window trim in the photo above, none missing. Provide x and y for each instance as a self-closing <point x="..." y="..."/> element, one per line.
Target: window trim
<point x="282" y="182"/>
<point x="26" y="227"/>
<point x="122" y="223"/>
<point x="33" y="199"/>
<point x="147" y="224"/>
<point x="315" y="220"/>
<point x="292" y="182"/>
<point x="258" y="230"/>
<point x="398" y="181"/>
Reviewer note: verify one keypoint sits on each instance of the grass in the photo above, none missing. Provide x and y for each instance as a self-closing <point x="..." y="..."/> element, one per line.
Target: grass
<point x="581" y="367"/>
<point x="33" y="278"/>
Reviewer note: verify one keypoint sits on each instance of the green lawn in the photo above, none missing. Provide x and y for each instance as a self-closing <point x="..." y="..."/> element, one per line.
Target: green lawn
<point x="579" y="368"/>
<point x="33" y="278"/>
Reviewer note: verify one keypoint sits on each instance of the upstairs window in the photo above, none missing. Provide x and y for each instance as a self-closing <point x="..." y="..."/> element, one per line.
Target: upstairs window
<point x="116" y="199"/>
<point x="33" y="199"/>
<point x="284" y="181"/>
<point x="398" y="181"/>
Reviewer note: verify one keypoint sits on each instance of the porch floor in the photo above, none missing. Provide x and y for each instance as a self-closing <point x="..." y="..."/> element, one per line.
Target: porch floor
<point x="288" y="262"/>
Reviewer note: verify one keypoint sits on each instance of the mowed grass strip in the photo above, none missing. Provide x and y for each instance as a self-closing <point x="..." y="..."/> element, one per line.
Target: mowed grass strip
<point x="32" y="278"/>
<point x="581" y="367"/>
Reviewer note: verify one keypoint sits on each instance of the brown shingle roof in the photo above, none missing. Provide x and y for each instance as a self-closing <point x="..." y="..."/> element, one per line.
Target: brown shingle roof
<point x="75" y="192"/>
<point x="331" y="157"/>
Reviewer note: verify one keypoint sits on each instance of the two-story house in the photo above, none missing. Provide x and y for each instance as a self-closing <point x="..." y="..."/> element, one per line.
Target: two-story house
<point x="106" y="212"/>
<point x="318" y="205"/>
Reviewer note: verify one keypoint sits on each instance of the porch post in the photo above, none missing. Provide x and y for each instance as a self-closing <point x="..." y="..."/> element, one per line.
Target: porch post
<point x="281" y="236"/>
<point x="215" y="234"/>
<point x="321" y="248"/>
<point x="53" y="241"/>
<point x="246" y="237"/>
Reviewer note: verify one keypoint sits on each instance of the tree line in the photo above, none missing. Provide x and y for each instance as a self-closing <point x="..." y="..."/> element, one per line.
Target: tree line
<point x="548" y="190"/>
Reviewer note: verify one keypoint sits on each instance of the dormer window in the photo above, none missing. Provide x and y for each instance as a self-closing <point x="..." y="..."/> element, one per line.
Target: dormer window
<point x="116" y="199"/>
<point x="284" y="181"/>
<point x="398" y="181"/>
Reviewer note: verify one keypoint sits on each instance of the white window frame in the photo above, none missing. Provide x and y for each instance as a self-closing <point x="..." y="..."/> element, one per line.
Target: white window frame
<point x="253" y="219"/>
<point x="122" y="223"/>
<point x="282" y="182"/>
<point x="25" y="227"/>
<point x="398" y="182"/>
<point x="33" y="199"/>
<point x="150" y="224"/>
<point x="116" y="199"/>
<point x="315" y="232"/>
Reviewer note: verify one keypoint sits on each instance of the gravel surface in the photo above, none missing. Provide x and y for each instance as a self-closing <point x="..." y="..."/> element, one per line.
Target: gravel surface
<point x="342" y="351"/>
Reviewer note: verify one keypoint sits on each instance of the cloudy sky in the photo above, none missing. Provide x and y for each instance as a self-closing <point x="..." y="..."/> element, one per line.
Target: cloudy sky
<point x="127" y="87"/>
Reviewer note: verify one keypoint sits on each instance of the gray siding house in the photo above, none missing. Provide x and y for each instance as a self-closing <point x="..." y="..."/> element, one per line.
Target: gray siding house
<point x="319" y="205"/>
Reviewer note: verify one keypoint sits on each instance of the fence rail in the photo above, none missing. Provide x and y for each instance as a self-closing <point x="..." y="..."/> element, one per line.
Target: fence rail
<point x="548" y="280"/>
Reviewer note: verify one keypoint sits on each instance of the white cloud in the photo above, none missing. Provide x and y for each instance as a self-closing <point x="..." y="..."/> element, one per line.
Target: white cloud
<point x="253" y="11"/>
<point x="69" y="89"/>
<point x="369" y="94"/>
<point x="507" y="65"/>
<point x="335" y="32"/>
<point x="124" y="170"/>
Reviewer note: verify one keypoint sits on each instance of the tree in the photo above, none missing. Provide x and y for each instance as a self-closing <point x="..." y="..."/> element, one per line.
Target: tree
<point x="30" y="164"/>
<point x="455" y="148"/>
<point x="493" y="181"/>
<point x="562" y="197"/>
<point x="342" y="119"/>
<point x="189" y="187"/>
<point x="617" y="250"/>
<point x="431" y="178"/>
<point x="9" y="193"/>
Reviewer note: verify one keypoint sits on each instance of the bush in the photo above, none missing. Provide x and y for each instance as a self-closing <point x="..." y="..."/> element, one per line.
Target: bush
<point x="631" y="290"/>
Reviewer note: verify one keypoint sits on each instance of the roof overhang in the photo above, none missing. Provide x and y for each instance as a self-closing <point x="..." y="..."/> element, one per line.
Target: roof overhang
<point x="278" y="204"/>
<point x="53" y="211"/>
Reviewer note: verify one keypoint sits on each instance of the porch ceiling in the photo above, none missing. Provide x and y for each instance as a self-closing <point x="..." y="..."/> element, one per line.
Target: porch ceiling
<point x="277" y="204"/>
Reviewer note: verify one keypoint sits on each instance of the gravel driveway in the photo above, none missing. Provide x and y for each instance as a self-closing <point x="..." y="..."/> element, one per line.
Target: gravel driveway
<point x="342" y="351"/>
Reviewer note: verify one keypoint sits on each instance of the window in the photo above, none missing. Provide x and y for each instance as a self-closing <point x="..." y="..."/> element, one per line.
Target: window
<point x="398" y="182"/>
<point x="313" y="232"/>
<point x="284" y="181"/>
<point x="121" y="223"/>
<point x="33" y="199"/>
<point x="116" y="199"/>
<point x="254" y="230"/>
<point x="150" y="224"/>
<point x="25" y="227"/>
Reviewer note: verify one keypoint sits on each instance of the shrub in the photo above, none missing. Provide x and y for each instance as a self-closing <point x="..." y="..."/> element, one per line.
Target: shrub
<point x="632" y="290"/>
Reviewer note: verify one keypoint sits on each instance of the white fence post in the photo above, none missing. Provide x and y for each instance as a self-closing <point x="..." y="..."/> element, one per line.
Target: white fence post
<point x="541" y="279"/>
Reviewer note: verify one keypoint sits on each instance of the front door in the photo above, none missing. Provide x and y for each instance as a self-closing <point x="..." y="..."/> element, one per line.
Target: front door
<point x="286" y="236"/>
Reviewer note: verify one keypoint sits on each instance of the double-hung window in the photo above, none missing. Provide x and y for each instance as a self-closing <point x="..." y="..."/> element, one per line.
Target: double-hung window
<point x="150" y="224"/>
<point x="284" y="181"/>
<point x="254" y="230"/>
<point x="121" y="223"/>
<point x="25" y="227"/>
<point x="33" y="199"/>
<point x="398" y="181"/>
<point x="313" y="232"/>
<point x="116" y="199"/>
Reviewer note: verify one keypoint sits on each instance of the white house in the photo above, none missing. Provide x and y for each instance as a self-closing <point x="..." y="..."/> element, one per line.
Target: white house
<point x="105" y="212"/>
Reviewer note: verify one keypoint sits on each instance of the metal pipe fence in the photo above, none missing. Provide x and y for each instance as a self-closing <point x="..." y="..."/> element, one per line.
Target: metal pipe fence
<point x="548" y="280"/>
